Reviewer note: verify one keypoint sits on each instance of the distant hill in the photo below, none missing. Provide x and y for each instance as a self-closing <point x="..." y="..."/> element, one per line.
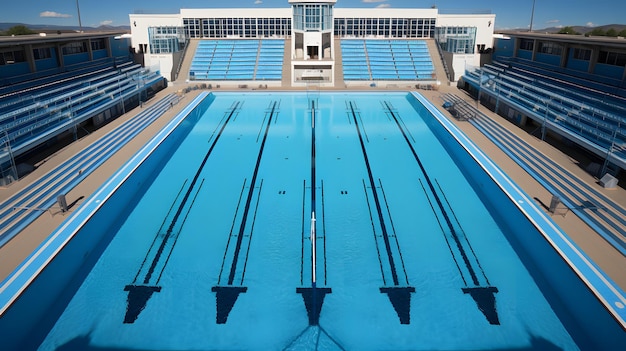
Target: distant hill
<point x="54" y="28"/>
<point x="585" y="29"/>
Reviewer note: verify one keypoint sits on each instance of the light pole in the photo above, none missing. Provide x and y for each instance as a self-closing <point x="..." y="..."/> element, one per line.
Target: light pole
<point x="80" y="25"/>
<point x="532" y="14"/>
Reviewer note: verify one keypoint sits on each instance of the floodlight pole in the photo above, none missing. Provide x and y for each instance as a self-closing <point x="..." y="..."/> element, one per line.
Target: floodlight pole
<point x="532" y="14"/>
<point x="80" y="25"/>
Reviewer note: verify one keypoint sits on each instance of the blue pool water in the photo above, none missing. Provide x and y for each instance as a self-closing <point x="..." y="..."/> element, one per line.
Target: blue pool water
<point x="217" y="252"/>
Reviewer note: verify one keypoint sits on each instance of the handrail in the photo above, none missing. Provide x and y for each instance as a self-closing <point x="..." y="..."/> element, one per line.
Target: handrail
<point x="182" y="58"/>
<point x="445" y="66"/>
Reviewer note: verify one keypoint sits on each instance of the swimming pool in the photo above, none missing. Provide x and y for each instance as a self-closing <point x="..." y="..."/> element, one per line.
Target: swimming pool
<point x="297" y="221"/>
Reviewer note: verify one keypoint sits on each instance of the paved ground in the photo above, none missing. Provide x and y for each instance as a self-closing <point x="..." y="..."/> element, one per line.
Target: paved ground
<point x="609" y="259"/>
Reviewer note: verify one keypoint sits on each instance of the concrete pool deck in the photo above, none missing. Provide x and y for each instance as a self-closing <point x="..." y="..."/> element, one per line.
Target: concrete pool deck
<point x="602" y="253"/>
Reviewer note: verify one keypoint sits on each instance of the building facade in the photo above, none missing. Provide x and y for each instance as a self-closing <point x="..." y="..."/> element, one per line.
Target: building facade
<point x="312" y="27"/>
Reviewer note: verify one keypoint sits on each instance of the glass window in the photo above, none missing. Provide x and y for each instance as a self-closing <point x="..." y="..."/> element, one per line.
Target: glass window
<point x="550" y="48"/>
<point x="526" y="44"/>
<point x="42" y="53"/>
<point x="581" y="54"/>
<point x="74" y="48"/>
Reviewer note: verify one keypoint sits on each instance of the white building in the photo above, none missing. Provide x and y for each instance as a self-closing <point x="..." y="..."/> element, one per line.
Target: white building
<point x="310" y="28"/>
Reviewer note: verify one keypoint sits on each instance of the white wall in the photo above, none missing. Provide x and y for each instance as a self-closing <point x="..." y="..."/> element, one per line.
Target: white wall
<point x="383" y="13"/>
<point x="139" y="26"/>
<point x="460" y="62"/>
<point x="283" y="12"/>
<point x="160" y="62"/>
<point x="484" y="25"/>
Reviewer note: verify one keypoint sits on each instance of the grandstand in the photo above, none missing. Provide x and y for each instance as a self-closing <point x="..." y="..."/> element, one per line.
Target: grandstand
<point x="40" y="107"/>
<point x="386" y="60"/>
<point x="243" y="59"/>
<point x="584" y="107"/>
<point x="341" y="46"/>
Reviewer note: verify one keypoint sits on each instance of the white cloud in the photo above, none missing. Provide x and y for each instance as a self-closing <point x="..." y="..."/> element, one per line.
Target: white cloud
<point x="554" y="21"/>
<point x="590" y="24"/>
<point x="54" y="14"/>
<point x="106" y="23"/>
<point x="372" y="1"/>
<point x="258" y="2"/>
<point x="381" y="6"/>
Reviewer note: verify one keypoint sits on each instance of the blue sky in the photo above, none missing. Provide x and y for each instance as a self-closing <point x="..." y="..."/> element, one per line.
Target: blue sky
<point x="509" y="13"/>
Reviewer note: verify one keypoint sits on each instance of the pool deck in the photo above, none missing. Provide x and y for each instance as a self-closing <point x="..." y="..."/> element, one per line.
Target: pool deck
<point x="602" y="253"/>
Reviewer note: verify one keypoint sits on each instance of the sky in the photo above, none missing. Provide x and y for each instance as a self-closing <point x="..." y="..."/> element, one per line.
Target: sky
<point x="510" y="14"/>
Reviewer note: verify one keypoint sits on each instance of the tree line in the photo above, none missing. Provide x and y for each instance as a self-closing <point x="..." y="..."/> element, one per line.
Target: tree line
<point x="17" y="30"/>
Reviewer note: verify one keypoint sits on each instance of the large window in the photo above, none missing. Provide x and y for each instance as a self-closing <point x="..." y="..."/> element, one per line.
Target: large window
<point x="581" y="54"/>
<point x="612" y="58"/>
<point x="192" y="27"/>
<point x="526" y="44"/>
<point x="550" y="48"/>
<point x="312" y="17"/>
<point x="11" y="57"/>
<point x="237" y="27"/>
<point x="459" y="40"/>
<point x="98" y="44"/>
<point x="75" y="48"/>
<point x="385" y="27"/>
<point x="164" y="40"/>
<point x="42" y="53"/>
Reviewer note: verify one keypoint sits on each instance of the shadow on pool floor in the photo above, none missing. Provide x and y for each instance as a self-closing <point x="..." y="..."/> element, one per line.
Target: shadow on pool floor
<point x="83" y="343"/>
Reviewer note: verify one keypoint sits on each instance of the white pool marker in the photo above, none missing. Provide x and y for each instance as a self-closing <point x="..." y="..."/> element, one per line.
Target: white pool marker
<point x="313" y="255"/>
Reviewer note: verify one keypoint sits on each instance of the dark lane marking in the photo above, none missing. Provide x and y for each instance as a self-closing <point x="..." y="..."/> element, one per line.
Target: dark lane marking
<point x="304" y="218"/>
<point x="226" y="296"/>
<point x="399" y="296"/>
<point x="138" y="295"/>
<point x="314" y="296"/>
<point x="393" y="229"/>
<point x="379" y="210"/>
<point x="482" y="294"/>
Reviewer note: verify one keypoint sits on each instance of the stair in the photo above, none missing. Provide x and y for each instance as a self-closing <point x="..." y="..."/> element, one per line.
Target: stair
<point x="440" y="71"/>
<point x="338" y="78"/>
<point x="286" y="81"/>
<point x="190" y="52"/>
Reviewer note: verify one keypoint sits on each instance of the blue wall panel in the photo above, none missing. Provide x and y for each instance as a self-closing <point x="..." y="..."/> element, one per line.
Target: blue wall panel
<point x="15" y="69"/>
<point x="99" y="54"/>
<point x="503" y="48"/>
<point x="525" y="54"/>
<point x="611" y="71"/>
<point x="554" y="60"/>
<point x="119" y="47"/>
<point x="578" y="65"/>
<point x="46" y="64"/>
<point x="76" y="58"/>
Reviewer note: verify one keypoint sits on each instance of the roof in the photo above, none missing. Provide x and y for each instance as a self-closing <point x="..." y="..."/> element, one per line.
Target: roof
<point x="18" y="40"/>
<point x="568" y="38"/>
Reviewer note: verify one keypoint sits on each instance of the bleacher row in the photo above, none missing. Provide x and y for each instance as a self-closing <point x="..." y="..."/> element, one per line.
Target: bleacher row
<point x="15" y="213"/>
<point x="592" y="115"/>
<point x="40" y="112"/>
<point x="386" y="60"/>
<point x="243" y="59"/>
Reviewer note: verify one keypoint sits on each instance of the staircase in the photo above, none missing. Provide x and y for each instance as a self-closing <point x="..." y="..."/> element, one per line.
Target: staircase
<point x="286" y="81"/>
<point x="188" y="55"/>
<point x="338" y="78"/>
<point x="441" y="71"/>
